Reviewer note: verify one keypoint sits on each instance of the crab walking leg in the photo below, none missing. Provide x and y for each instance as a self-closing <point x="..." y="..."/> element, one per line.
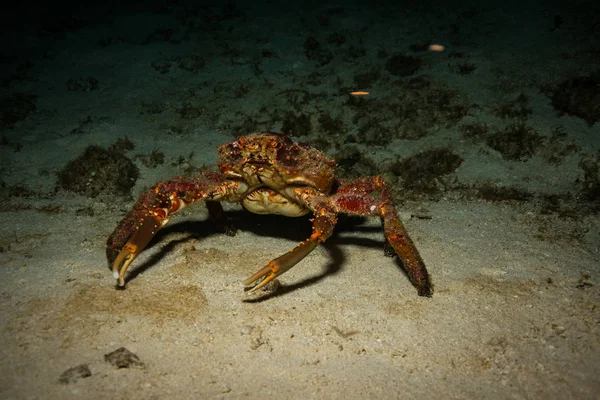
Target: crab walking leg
<point x="323" y="225"/>
<point x="398" y="238"/>
<point x="370" y="196"/>
<point x="217" y="215"/>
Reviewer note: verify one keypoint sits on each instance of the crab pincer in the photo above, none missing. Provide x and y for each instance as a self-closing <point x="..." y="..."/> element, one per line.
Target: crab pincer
<point x="145" y="231"/>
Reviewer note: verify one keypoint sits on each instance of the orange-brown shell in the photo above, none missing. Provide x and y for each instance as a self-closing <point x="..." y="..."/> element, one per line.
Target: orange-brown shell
<point x="296" y="163"/>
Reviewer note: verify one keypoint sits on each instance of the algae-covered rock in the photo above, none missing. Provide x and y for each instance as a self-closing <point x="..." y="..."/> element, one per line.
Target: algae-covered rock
<point x="100" y="171"/>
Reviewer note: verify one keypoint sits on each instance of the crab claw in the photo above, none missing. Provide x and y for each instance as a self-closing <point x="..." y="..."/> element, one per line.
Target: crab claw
<point x="145" y="231"/>
<point x="280" y="265"/>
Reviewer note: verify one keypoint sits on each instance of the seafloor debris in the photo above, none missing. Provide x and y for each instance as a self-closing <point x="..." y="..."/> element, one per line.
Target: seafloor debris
<point x="75" y="373"/>
<point x="16" y="107"/>
<point x="579" y="96"/>
<point x="100" y="171"/>
<point x="123" y="358"/>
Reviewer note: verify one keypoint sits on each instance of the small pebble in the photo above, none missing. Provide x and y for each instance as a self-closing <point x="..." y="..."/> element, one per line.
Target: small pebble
<point x="246" y="329"/>
<point x="266" y="290"/>
<point x="123" y="358"/>
<point x="73" y="374"/>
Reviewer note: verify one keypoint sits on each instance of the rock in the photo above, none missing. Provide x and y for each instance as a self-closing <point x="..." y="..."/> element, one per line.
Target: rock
<point x="123" y="358"/>
<point x="73" y="374"/>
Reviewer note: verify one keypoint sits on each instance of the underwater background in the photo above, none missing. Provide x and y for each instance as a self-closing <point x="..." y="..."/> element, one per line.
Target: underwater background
<point x="482" y="118"/>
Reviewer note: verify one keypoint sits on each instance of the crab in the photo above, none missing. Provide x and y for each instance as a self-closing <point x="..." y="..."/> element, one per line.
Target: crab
<point x="268" y="173"/>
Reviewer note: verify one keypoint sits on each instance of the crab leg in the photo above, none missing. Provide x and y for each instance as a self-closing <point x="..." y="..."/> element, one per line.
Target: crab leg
<point x="323" y="225"/>
<point x="398" y="238"/>
<point x="151" y="213"/>
<point x="370" y="196"/>
<point x="145" y="231"/>
<point x="217" y="215"/>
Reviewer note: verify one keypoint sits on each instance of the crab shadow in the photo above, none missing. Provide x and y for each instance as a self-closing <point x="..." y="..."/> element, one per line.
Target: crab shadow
<point x="274" y="226"/>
